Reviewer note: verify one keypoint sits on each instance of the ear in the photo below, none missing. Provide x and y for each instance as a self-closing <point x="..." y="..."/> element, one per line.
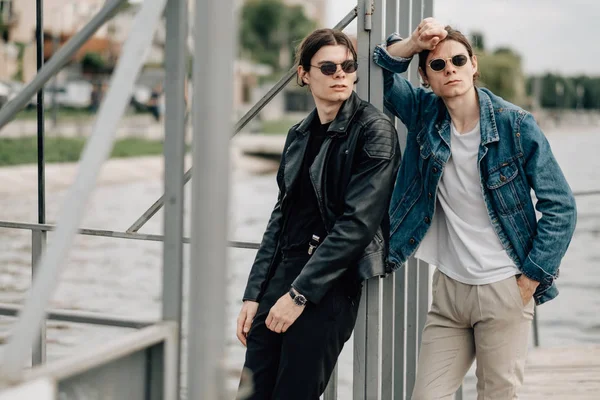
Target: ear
<point x="423" y="77"/>
<point x="303" y="75"/>
<point x="474" y="62"/>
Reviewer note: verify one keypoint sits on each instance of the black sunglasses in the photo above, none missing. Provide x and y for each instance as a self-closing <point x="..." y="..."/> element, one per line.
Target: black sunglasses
<point x="439" y="63"/>
<point x="329" y="68"/>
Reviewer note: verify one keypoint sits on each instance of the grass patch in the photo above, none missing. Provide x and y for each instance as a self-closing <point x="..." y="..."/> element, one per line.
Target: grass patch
<point x="61" y="114"/>
<point x="280" y="126"/>
<point x="57" y="149"/>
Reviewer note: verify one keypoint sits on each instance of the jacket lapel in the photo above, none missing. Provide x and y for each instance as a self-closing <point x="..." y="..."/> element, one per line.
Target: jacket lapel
<point x="317" y="167"/>
<point x="293" y="160"/>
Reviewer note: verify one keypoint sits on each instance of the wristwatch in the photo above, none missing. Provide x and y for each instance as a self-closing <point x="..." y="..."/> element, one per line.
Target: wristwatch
<point x="298" y="299"/>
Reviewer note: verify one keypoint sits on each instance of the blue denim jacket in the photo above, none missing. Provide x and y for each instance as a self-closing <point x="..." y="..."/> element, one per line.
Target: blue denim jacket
<point x="514" y="158"/>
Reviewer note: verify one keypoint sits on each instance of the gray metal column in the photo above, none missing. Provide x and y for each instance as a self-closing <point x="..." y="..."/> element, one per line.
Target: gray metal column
<point x="174" y="152"/>
<point x="412" y="284"/>
<point x="38" y="242"/>
<point x="96" y="151"/>
<point x="38" y="239"/>
<point x="367" y="334"/>
<point x="212" y="119"/>
<point x="424" y="281"/>
<point x="401" y="343"/>
<point x="386" y="285"/>
<point x="413" y="326"/>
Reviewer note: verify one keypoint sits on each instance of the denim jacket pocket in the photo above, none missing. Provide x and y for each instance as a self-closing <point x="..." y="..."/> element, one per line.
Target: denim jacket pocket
<point x="505" y="186"/>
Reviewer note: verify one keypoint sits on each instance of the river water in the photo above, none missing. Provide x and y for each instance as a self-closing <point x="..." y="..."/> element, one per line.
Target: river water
<point x="123" y="277"/>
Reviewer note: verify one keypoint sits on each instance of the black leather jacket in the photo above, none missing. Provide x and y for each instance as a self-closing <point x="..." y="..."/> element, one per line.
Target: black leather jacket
<point x="353" y="176"/>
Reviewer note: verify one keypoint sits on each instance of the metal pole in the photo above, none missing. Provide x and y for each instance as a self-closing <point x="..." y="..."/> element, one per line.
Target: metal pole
<point x="39" y="238"/>
<point x="536" y="331"/>
<point x="58" y="60"/>
<point x="412" y="286"/>
<point x="96" y="151"/>
<point x="400" y="333"/>
<point x="55" y="46"/>
<point x="145" y="217"/>
<point x="174" y="152"/>
<point x="213" y="49"/>
<point x="413" y="331"/>
<point x="38" y="242"/>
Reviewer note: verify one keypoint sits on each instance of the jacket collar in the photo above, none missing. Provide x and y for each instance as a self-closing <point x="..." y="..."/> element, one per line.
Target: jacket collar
<point x="487" y="120"/>
<point x="339" y="126"/>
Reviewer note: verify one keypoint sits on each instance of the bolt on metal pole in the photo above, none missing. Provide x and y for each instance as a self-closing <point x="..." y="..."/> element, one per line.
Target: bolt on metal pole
<point x="212" y="126"/>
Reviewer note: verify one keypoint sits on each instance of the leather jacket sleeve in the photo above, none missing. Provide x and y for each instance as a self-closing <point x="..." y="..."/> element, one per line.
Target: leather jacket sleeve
<point x="366" y="202"/>
<point x="268" y="246"/>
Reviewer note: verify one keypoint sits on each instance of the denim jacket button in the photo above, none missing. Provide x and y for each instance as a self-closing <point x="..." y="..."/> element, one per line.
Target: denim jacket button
<point x="435" y="170"/>
<point x="502" y="178"/>
<point x="427" y="220"/>
<point x="429" y="195"/>
<point x="411" y="241"/>
<point x="518" y="134"/>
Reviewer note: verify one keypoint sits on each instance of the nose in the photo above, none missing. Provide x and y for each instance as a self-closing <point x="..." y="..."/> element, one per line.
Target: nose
<point x="339" y="72"/>
<point x="450" y="68"/>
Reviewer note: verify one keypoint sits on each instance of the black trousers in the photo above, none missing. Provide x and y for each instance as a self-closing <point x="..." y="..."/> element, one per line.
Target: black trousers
<point x="297" y="364"/>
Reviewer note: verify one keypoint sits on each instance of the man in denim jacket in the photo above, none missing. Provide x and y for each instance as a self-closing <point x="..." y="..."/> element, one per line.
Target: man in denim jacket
<point x="462" y="201"/>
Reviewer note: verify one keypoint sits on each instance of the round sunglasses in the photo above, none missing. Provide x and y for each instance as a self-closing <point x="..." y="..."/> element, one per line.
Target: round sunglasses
<point x="439" y="64"/>
<point x="329" y="67"/>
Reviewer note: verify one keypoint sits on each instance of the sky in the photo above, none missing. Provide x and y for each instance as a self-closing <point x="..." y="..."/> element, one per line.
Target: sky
<point x="558" y="36"/>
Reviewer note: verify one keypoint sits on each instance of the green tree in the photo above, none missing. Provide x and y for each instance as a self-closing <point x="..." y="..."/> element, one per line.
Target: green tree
<point x="268" y="28"/>
<point x="501" y="73"/>
<point x="93" y="62"/>
<point x="478" y="42"/>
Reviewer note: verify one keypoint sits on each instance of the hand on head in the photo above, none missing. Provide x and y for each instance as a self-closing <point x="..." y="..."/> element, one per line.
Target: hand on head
<point x="428" y="34"/>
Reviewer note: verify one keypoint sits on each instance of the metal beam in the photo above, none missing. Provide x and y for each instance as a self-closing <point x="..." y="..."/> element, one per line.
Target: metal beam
<point x="114" y="234"/>
<point x="101" y="355"/>
<point x="80" y="317"/>
<point x="174" y="152"/>
<point x="38" y="242"/>
<point x="96" y="151"/>
<point x="213" y="105"/>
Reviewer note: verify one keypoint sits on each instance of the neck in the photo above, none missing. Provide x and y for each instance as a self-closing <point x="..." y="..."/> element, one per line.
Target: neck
<point x="464" y="110"/>
<point x="326" y="110"/>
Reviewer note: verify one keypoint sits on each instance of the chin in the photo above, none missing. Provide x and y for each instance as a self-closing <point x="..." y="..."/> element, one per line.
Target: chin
<point x="341" y="96"/>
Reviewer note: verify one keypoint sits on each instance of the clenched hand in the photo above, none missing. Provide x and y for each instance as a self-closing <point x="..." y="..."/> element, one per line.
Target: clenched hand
<point x="283" y="314"/>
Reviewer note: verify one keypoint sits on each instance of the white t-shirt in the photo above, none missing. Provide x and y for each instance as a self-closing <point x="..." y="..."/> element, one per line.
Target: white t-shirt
<point x="461" y="241"/>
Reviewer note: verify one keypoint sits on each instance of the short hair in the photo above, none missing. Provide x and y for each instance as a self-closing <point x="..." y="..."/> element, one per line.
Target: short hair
<point x="313" y="43"/>
<point x="455" y="35"/>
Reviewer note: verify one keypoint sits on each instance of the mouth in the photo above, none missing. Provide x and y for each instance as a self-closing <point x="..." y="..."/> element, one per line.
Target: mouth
<point x="338" y="86"/>
<point x="453" y="82"/>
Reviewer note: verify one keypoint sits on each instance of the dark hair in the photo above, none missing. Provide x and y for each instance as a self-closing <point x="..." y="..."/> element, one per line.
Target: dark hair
<point x="313" y="43"/>
<point x="455" y="35"/>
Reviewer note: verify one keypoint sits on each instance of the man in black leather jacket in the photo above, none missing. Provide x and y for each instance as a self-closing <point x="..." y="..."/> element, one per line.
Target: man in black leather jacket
<point x="328" y="231"/>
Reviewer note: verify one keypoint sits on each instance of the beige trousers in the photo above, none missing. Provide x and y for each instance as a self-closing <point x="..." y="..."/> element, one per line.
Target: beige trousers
<point x="488" y="323"/>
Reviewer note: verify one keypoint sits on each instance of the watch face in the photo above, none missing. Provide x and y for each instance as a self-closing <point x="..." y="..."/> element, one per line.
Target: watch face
<point x="300" y="300"/>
